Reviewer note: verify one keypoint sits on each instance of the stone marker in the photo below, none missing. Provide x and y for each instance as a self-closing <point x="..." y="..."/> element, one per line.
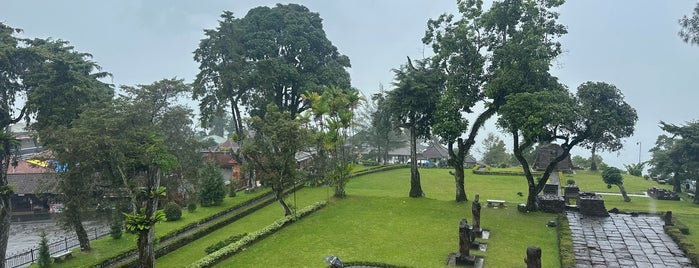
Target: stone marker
<point x="533" y="259"/>
<point x="476" y="211"/>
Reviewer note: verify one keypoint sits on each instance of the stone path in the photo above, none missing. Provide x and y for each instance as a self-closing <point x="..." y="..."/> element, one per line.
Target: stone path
<point x="623" y="241"/>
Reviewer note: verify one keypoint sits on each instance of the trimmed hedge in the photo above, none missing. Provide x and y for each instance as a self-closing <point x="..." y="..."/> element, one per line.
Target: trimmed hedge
<point x="372" y="264"/>
<point x="678" y="231"/>
<point x="375" y="169"/>
<point x="565" y="242"/>
<point x="223" y="243"/>
<point x="232" y="249"/>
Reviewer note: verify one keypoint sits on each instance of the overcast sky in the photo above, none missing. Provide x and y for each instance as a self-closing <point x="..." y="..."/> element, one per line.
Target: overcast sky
<point x="631" y="44"/>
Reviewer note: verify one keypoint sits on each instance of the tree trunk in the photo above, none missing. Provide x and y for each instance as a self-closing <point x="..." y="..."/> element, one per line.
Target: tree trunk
<point x="457" y="162"/>
<point x="677" y="185"/>
<point x="696" y="193"/>
<point x="593" y="161"/>
<point x="623" y="192"/>
<point x="415" y="187"/>
<point x="73" y="213"/>
<point x="459" y="179"/>
<point x="5" y="214"/>
<point x="532" y="203"/>
<point x="146" y="248"/>
<point x="279" y="195"/>
<point x="146" y="238"/>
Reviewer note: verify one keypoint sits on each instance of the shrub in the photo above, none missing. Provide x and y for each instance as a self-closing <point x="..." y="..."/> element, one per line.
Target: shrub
<point x="192" y="206"/>
<point x="231" y="189"/>
<point x="44" y="255"/>
<point x="115" y="228"/>
<point x="570" y="182"/>
<point x="213" y="189"/>
<point x="173" y="211"/>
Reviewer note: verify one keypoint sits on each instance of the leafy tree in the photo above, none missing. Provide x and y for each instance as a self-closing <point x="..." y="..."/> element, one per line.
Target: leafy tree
<point x="676" y="156"/>
<point x="121" y="146"/>
<point x="587" y="162"/>
<point x="635" y="169"/>
<point x="612" y="176"/>
<point x="552" y="115"/>
<point x="272" y="55"/>
<point x="690" y="27"/>
<point x="461" y="54"/>
<point x="271" y="152"/>
<point x="412" y="104"/>
<point x="494" y="153"/>
<point x="213" y="189"/>
<point x="44" y="259"/>
<point x="55" y="84"/>
<point x="373" y="128"/>
<point x="333" y="111"/>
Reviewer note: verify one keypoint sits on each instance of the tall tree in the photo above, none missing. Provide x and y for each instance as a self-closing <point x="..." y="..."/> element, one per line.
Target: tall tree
<point x="555" y="115"/>
<point x="62" y="87"/>
<point x="677" y="156"/>
<point x="42" y="80"/>
<point x="487" y="56"/>
<point x="333" y="111"/>
<point x="123" y="146"/>
<point x="461" y="54"/>
<point x="412" y="104"/>
<point x="494" y="151"/>
<point x="272" y="55"/>
<point x="271" y="152"/>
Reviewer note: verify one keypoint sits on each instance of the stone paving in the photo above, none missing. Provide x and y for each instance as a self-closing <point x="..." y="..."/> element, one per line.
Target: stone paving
<point x="623" y="241"/>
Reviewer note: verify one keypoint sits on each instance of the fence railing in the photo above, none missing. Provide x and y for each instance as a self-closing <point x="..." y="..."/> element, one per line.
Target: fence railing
<point x="31" y="255"/>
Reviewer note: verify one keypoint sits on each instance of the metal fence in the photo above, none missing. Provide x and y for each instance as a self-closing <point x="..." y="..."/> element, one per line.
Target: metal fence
<point x="31" y="255"/>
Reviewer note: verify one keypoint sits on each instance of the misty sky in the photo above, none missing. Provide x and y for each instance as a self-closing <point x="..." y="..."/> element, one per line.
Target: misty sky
<point x="631" y="44"/>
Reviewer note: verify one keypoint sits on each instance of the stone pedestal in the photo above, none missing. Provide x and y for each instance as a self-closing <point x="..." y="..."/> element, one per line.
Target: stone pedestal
<point x="551" y="203"/>
<point x="571" y="192"/>
<point x="591" y="204"/>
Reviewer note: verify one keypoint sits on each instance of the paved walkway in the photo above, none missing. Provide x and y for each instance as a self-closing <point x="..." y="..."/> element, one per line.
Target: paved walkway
<point x="623" y="241"/>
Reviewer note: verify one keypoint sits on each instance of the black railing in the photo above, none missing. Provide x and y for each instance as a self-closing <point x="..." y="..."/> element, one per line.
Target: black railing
<point x="65" y="244"/>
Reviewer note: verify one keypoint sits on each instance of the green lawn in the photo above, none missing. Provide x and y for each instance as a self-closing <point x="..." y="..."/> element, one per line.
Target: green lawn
<point x="261" y="218"/>
<point x="591" y="181"/>
<point x="378" y="223"/>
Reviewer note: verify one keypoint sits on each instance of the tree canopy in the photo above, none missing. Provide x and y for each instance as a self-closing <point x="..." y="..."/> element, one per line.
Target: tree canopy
<point x="556" y="115"/>
<point x="272" y="55"/>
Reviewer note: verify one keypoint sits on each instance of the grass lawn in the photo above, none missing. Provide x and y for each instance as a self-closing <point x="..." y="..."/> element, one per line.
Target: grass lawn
<point x="106" y="247"/>
<point x="379" y="223"/>
<point x="261" y="218"/>
<point x="591" y="181"/>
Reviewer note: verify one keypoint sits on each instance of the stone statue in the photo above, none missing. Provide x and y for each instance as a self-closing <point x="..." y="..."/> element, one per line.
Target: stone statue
<point x="464" y="238"/>
<point x="476" y="211"/>
<point x="533" y="259"/>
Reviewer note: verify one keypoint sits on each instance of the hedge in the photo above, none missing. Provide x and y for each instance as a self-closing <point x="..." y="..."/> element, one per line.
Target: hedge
<point x="223" y="243"/>
<point x="678" y="231"/>
<point x="377" y="169"/>
<point x="565" y="242"/>
<point x="230" y="250"/>
<point x="372" y="264"/>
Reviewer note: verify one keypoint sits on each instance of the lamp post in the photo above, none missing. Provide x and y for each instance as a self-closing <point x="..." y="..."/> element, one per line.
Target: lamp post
<point x="639" y="152"/>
